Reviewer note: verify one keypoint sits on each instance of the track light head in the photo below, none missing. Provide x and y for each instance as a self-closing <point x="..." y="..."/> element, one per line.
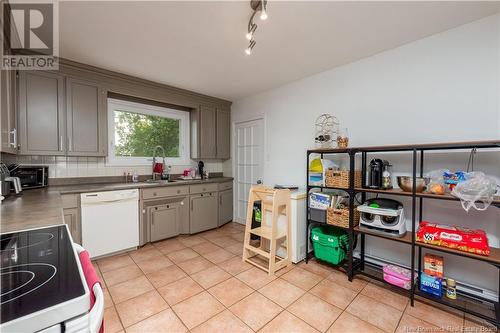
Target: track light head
<point x="263" y="10"/>
<point x="251" y="31"/>
<point x="248" y="50"/>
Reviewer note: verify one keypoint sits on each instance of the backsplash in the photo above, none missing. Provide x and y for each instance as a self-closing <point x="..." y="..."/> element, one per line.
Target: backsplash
<point x="67" y="167"/>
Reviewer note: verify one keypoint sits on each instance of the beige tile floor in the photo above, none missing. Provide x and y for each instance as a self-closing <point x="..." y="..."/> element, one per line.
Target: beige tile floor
<point x="199" y="283"/>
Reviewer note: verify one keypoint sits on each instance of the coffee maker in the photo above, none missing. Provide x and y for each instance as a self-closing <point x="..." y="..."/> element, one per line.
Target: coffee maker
<point x="375" y="173"/>
<point x="201" y="169"/>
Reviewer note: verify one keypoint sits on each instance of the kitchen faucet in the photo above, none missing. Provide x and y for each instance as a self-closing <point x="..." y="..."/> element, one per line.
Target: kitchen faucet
<point x="164" y="174"/>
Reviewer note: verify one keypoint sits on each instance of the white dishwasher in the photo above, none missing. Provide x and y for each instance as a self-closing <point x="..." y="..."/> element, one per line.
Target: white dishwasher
<point x="110" y="221"/>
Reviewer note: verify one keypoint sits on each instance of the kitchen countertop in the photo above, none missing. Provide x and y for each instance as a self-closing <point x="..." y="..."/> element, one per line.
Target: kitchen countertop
<point x="43" y="207"/>
<point x="83" y="188"/>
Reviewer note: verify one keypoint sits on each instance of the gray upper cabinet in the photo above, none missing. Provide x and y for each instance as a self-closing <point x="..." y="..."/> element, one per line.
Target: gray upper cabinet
<point x="65" y="112"/>
<point x="210" y="132"/>
<point x="208" y="139"/>
<point x="8" y="124"/>
<point x="42" y="128"/>
<point x="86" y="118"/>
<point x="223" y="134"/>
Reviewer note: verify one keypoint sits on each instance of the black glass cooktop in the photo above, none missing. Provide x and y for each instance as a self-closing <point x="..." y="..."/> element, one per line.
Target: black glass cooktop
<point x="38" y="270"/>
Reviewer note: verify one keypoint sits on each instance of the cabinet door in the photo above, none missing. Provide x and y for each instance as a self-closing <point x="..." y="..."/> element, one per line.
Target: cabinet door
<point x="86" y="119"/>
<point x="41" y="114"/>
<point x="225" y="206"/>
<point x="72" y="219"/>
<point x="8" y="125"/>
<point x="223" y="134"/>
<point x="204" y="212"/>
<point x="207" y="130"/>
<point x="164" y="221"/>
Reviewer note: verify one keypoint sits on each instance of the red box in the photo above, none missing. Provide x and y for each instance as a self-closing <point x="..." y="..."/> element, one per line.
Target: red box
<point x="454" y="237"/>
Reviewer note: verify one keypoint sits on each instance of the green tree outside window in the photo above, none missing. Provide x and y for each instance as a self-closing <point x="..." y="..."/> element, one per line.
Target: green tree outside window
<point x="137" y="134"/>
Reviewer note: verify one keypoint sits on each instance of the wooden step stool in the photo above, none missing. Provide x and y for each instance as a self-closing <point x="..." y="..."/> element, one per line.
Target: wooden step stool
<point x="277" y="202"/>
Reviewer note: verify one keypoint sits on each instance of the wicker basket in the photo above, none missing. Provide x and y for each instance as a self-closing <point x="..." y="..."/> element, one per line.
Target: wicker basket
<point x="340" y="217"/>
<point x="340" y="178"/>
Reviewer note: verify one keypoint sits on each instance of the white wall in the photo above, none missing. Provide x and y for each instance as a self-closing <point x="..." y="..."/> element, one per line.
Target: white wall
<point x="442" y="88"/>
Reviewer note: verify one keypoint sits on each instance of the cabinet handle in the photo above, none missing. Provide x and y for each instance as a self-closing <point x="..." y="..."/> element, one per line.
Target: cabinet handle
<point x="70" y="144"/>
<point x="168" y="206"/>
<point x="178" y="191"/>
<point x="201" y="194"/>
<point x="156" y="208"/>
<point x="13" y="144"/>
<point x="154" y="194"/>
<point x="192" y="205"/>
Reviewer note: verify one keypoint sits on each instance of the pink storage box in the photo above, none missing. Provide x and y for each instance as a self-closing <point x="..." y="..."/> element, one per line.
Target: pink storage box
<point x="397" y="276"/>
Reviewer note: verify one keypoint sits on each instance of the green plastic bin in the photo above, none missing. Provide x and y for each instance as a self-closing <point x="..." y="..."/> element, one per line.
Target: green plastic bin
<point x="330" y="244"/>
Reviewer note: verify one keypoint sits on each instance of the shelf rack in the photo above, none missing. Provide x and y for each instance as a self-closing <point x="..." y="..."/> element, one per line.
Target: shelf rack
<point x="355" y="266"/>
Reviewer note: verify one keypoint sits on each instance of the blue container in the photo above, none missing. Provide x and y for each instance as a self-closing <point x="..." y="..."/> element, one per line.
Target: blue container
<point x="431" y="285"/>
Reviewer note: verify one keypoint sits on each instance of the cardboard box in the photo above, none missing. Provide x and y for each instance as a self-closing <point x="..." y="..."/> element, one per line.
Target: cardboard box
<point x="433" y="265"/>
<point x="431" y="285"/>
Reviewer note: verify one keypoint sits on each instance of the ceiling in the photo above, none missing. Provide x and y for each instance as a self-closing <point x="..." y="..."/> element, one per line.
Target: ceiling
<point x="200" y="45"/>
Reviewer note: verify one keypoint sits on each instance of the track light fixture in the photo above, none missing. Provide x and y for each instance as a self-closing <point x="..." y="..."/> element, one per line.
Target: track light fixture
<point x="257" y="6"/>
<point x="251" y="30"/>
<point x="263" y="12"/>
<point x="248" y="50"/>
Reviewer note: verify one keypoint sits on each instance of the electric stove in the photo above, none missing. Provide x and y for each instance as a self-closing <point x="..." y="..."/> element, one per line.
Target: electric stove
<point x="42" y="282"/>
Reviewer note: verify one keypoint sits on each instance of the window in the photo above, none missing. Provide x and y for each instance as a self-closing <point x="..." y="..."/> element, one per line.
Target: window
<point x="135" y="130"/>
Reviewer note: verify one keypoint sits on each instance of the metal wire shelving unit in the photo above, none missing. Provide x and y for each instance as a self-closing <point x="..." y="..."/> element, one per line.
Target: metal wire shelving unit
<point x="358" y="265"/>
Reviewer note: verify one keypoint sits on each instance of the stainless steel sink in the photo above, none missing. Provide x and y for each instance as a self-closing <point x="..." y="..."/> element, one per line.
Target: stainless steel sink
<point x="157" y="181"/>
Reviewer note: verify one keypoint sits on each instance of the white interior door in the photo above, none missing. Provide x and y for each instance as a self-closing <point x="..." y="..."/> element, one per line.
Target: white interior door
<point x="249" y="162"/>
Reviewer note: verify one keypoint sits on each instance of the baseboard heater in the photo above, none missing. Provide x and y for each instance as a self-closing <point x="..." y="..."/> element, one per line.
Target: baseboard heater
<point x="464" y="288"/>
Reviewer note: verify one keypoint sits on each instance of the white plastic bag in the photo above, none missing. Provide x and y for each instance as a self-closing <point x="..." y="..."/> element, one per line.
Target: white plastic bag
<point x="477" y="191"/>
<point x="436" y="184"/>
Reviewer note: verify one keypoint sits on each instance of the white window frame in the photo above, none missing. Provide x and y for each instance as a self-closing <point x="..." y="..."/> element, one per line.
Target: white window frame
<point x="182" y="116"/>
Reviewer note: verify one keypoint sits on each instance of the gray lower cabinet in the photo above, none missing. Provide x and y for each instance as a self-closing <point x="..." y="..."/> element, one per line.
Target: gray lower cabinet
<point x="71" y="214"/>
<point x="204" y="212"/>
<point x="164" y="221"/>
<point x="8" y="126"/>
<point x="85" y="118"/>
<point x="163" y="217"/>
<point x="72" y="219"/>
<point x="225" y="206"/>
<point x="42" y="127"/>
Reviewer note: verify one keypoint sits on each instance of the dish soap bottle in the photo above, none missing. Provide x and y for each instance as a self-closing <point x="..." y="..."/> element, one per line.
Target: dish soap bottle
<point x="135" y="177"/>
